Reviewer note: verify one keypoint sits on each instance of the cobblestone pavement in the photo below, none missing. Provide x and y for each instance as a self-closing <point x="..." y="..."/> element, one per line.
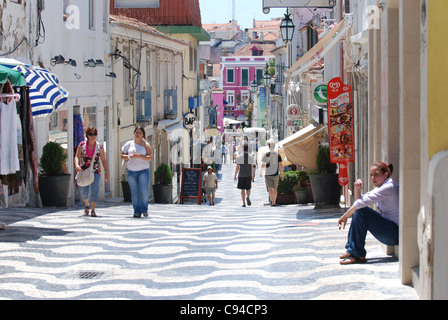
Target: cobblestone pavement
<point x="189" y="252"/>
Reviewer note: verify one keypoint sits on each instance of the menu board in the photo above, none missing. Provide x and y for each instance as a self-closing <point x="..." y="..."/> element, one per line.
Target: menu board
<point x="191" y="184"/>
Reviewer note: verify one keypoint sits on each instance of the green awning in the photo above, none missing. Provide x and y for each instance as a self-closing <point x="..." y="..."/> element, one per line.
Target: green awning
<point x="16" y="77"/>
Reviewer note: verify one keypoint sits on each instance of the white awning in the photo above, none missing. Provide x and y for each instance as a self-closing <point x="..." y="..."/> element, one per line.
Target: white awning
<point x="325" y="44"/>
<point x="163" y="124"/>
<point x="228" y="121"/>
<point x="300" y="148"/>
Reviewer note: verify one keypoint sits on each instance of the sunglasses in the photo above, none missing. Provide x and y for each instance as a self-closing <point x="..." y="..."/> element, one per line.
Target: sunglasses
<point x="92" y="134"/>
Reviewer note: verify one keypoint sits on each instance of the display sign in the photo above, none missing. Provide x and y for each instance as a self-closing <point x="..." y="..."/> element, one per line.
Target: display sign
<point x="189" y="120"/>
<point x="137" y="3"/>
<point x="340" y="126"/>
<point x="191" y="184"/>
<point x="320" y="94"/>
<point x="263" y="98"/>
<point x="298" y="4"/>
<point x="293" y="112"/>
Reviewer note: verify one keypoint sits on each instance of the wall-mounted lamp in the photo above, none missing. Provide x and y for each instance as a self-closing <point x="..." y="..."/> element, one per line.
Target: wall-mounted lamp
<point x="71" y="62"/>
<point x="93" y="63"/>
<point x="90" y="63"/>
<point x="61" y="60"/>
<point x="112" y="75"/>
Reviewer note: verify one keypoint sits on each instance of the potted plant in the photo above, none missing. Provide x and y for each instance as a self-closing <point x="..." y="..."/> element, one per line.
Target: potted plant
<point x="286" y="186"/>
<point x="324" y="181"/>
<point x="301" y="190"/>
<point x="163" y="184"/>
<point x="54" y="182"/>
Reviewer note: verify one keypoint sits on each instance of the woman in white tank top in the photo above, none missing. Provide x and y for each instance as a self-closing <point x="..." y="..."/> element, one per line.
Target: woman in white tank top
<point x="138" y="152"/>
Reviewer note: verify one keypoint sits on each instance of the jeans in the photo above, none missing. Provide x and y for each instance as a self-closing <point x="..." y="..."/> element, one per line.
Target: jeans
<point x="93" y="189"/>
<point x="367" y="219"/>
<point x="139" y="185"/>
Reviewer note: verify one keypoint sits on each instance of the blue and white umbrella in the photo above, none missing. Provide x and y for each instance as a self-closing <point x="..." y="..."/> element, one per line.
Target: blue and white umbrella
<point x="46" y="93"/>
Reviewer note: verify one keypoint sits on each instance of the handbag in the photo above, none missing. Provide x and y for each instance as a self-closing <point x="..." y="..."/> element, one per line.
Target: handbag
<point x="87" y="176"/>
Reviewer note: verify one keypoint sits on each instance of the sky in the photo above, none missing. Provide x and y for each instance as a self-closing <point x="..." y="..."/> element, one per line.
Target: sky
<point x="220" y="11"/>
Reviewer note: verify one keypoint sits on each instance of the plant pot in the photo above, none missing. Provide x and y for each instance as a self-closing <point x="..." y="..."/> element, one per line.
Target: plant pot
<point x="326" y="190"/>
<point x="126" y="191"/>
<point x="54" y="190"/>
<point x="302" y="197"/>
<point x="162" y="193"/>
<point x="286" y="199"/>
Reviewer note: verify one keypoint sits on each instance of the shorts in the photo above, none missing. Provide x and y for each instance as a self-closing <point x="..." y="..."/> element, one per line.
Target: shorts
<point x="271" y="181"/>
<point x="210" y="191"/>
<point x="244" y="183"/>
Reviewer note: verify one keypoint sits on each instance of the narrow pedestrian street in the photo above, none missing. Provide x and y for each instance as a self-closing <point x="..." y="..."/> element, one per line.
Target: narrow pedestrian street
<point x="189" y="252"/>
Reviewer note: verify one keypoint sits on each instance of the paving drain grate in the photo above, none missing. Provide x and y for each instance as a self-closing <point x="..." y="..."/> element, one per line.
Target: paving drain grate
<point x="90" y="275"/>
<point x="86" y="275"/>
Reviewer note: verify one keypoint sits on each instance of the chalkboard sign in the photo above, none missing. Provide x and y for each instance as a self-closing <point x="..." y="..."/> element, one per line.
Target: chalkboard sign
<point x="191" y="184"/>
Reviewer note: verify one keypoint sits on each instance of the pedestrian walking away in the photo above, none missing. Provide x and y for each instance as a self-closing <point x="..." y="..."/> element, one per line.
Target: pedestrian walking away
<point x="89" y="153"/>
<point x="383" y="225"/>
<point x="272" y="162"/>
<point x="245" y="173"/>
<point x="223" y="151"/>
<point x="137" y="153"/>
<point x="210" y="185"/>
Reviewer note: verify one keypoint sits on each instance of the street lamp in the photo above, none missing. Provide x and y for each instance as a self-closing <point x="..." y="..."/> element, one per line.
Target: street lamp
<point x="287" y="28"/>
<point x="266" y="76"/>
<point x="254" y="86"/>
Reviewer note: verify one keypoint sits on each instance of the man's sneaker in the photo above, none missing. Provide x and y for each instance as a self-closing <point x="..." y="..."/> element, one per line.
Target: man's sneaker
<point x="248" y="201"/>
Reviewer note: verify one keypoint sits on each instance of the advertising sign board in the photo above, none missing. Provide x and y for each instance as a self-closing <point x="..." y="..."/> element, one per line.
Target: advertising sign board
<point x="340" y="126"/>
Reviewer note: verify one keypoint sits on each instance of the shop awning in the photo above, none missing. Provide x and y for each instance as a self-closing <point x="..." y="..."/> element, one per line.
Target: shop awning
<point x="229" y="121"/>
<point x="16" y="77"/>
<point x="301" y="147"/>
<point x="46" y="94"/>
<point x="320" y="49"/>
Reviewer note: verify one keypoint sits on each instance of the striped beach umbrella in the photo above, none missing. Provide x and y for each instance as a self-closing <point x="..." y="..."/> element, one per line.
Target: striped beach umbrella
<point x="46" y="93"/>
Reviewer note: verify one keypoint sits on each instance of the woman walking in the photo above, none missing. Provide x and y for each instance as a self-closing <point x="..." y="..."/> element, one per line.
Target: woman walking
<point x="138" y="153"/>
<point x="89" y="153"/>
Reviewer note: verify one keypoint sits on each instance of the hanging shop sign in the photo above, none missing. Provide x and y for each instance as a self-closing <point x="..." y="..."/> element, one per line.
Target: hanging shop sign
<point x="293" y="112"/>
<point x="189" y="120"/>
<point x="340" y="126"/>
<point x="320" y="94"/>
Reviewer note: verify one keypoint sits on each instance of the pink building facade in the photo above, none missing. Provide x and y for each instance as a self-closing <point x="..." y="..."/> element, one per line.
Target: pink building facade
<point x="237" y="74"/>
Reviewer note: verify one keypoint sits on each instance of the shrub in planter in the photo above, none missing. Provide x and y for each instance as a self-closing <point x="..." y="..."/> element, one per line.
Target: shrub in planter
<point x="324" y="181"/>
<point x="53" y="181"/>
<point x="286" y="187"/>
<point x="301" y="190"/>
<point x="162" y="188"/>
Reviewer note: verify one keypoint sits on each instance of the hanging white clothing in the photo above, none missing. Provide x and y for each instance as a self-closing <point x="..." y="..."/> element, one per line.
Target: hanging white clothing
<point x="9" y="154"/>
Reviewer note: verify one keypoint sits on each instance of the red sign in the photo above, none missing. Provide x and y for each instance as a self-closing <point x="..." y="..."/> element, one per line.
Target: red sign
<point x="340" y="126"/>
<point x="340" y="121"/>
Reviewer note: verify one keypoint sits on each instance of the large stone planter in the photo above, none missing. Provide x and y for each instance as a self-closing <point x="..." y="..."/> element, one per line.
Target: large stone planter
<point x="302" y="196"/>
<point x="54" y="190"/>
<point x="162" y="193"/>
<point x="326" y="190"/>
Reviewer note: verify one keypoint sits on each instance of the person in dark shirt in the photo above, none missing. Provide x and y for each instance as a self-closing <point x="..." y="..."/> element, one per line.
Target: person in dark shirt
<point x="245" y="172"/>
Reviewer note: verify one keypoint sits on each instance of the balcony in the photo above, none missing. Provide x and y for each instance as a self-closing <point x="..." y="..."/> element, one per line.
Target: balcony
<point x="170" y="104"/>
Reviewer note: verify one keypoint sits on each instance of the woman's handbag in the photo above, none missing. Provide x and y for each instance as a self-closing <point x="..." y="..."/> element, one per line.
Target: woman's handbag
<point x="86" y="177"/>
